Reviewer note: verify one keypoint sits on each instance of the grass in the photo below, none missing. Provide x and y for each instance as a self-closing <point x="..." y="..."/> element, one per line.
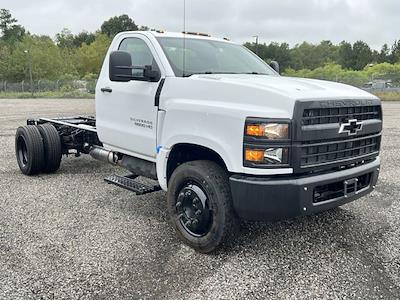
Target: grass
<point x="388" y="96"/>
<point x="58" y="94"/>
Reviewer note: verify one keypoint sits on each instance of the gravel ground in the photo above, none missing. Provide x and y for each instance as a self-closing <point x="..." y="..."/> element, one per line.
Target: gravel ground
<point x="71" y="236"/>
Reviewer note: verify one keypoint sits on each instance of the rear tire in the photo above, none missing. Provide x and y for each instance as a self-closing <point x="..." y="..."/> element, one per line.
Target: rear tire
<point x="29" y="150"/>
<point x="52" y="147"/>
<point x="200" y="205"/>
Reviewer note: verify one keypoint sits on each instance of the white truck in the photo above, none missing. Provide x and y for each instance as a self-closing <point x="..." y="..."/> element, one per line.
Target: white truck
<point x="221" y="131"/>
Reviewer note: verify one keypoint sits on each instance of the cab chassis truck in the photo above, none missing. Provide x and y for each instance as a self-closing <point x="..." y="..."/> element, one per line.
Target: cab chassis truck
<point x="221" y="131"/>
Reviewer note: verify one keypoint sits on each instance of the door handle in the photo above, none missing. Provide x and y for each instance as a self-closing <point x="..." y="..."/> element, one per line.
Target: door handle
<point x="106" y="90"/>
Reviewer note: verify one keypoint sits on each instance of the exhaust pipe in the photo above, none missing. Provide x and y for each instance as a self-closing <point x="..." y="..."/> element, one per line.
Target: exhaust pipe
<point x="103" y="155"/>
<point x="135" y="165"/>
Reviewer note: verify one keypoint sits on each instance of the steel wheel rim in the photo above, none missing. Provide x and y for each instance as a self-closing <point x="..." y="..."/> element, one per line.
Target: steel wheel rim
<point x="194" y="213"/>
<point x="22" y="151"/>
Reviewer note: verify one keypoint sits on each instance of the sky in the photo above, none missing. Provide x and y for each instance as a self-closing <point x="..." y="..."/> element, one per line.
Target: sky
<point x="293" y="21"/>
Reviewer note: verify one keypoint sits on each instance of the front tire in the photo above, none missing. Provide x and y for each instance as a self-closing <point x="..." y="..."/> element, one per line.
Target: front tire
<point x="200" y="205"/>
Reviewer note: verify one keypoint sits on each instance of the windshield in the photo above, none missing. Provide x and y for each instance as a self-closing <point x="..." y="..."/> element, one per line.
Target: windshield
<point x="211" y="57"/>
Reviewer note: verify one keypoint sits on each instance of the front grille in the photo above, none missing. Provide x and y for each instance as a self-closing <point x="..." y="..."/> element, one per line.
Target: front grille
<point x="326" y="152"/>
<point x="315" y="116"/>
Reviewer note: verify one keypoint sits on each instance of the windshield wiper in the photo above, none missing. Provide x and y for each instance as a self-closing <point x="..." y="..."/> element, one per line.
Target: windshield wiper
<point x="209" y="73"/>
<point x="212" y="72"/>
<point x="256" y="73"/>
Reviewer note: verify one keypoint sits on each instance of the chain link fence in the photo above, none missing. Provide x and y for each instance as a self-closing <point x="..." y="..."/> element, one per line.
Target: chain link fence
<point x="38" y="86"/>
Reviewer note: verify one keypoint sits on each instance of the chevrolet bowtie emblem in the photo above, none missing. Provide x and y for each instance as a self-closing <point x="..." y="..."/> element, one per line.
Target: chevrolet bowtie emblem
<point x="351" y="127"/>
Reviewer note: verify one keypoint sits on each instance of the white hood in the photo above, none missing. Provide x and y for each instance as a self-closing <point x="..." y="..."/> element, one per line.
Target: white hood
<point x="295" y="88"/>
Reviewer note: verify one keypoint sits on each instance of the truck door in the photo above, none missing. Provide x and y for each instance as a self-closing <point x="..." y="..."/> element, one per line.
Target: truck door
<point x="126" y="113"/>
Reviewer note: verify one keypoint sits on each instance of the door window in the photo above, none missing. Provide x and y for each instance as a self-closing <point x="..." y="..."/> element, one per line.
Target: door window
<point x="140" y="54"/>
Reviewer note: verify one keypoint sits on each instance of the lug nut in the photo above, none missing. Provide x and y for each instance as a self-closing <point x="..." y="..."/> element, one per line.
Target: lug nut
<point x="188" y="222"/>
<point x="195" y="222"/>
<point x="178" y="204"/>
<point x="198" y="212"/>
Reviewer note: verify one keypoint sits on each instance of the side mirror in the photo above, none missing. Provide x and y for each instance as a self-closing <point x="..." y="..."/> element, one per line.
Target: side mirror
<point x="120" y="66"/>
<point x="274" y="65"/>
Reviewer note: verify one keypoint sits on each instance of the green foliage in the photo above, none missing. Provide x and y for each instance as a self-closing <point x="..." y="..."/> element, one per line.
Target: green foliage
<point x="362" y="55"/>
<point x="47" y="62"/>
<point x="118" y="24"/>
<point x="11" y="32"/>
<point x="388" y="96"/>
<point x="273" y="51"/>
<point x="89" y="58"/>
<point x="334" y="72"/>
<point x="65" y="39"/>
<point x="310" y="56"/>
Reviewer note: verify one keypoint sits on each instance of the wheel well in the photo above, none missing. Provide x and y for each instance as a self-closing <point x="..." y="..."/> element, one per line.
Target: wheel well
<point x="182" y="153"/>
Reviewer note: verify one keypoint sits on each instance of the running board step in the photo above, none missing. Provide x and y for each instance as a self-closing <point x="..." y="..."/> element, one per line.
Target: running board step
<point x="128" y="182"/>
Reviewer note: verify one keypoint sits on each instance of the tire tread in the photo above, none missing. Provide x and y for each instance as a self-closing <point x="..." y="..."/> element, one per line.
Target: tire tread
<point x="52" y="147"/>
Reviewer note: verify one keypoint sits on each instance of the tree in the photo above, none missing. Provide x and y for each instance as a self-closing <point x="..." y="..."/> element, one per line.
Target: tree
<point x="362" y="55"/>
<point x="47" y="61"/>
<point x="84" y="38"/>
<point x="11" y="32"/>
<point x="395" y="52"/>
<point x="303" y="56"/>
<point x="144" y="28"/>
<point x="89" y="58"/>
<point x="65" y="39"/>
<point x="384" y="55"/>
<point x="345" y="55"/>
<point x="118" y="24"/>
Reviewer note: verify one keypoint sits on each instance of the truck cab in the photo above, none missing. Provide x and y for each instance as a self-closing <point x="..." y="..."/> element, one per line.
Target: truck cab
<point x="226" y="136"/>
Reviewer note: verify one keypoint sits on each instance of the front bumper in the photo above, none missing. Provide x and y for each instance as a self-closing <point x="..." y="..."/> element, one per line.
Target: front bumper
<point x="269" y="198"/>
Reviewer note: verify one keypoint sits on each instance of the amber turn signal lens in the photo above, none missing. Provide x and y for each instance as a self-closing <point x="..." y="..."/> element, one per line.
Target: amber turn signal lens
<point x="255" y="130"/>
<point x="254" y="155"/>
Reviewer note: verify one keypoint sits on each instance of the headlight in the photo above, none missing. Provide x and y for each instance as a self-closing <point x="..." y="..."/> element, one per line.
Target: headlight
<point x="269" y="156"/>
<point x="271" y="131"/>
<point x="267" y="143"/>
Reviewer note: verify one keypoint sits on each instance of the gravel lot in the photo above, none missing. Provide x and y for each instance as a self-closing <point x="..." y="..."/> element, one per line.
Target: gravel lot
<point x="71" y="236"/>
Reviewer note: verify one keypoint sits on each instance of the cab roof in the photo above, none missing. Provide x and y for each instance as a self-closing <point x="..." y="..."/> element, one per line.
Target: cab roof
<point x="191" y="35"/>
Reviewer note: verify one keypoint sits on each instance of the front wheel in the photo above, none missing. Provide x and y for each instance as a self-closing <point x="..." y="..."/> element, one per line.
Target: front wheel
<point x="200" y="205"/>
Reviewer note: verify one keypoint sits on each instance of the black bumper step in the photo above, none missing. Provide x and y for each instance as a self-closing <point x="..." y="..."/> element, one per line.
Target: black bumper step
<point x="129" y="183"/>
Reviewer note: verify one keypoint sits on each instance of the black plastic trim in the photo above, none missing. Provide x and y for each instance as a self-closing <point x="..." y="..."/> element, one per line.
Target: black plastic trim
<point x="158" y="92"/>
<point x="301" y="105"/>
<point x="274" y="197"/>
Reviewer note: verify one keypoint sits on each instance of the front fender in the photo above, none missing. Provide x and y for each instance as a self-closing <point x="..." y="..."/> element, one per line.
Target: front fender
<point x="218" y="126"/>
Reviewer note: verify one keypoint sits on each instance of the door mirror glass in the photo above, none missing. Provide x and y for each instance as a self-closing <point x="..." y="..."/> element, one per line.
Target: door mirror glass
<point x="274" y="65"/>
<point x="120" y="66"/>
<point x="150" y="74"/>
